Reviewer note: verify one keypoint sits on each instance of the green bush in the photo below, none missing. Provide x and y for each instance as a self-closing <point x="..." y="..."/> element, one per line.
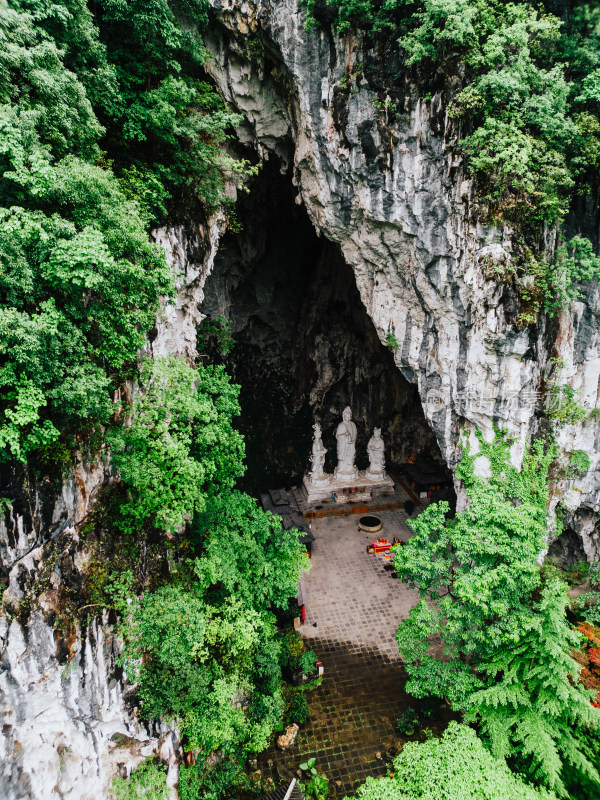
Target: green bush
<point x="298" y="711"/>
<point x="455" y="767"/>
<point x="295" y="656"/>
<point x="564" y="407"/>
<point x="317" y="787"/>
<point x="408" y="722"/>
<point x="580" y="462"/>
<point x="178" y="445"/>
<point x="148" y="781"/>
<point x="222" y="781"/>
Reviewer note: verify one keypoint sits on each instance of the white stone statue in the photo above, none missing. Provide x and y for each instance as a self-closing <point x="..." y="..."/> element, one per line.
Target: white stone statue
<point x="317" y="459"/>
<point x="346" y="447"/>
<point x="376" y="450"/>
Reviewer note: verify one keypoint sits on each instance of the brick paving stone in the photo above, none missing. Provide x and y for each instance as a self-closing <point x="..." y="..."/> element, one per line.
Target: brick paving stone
<point x="352" y="612"/>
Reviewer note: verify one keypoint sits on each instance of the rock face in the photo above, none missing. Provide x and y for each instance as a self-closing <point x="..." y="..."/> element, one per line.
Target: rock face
<point x="67" y="728"/>
<point x="370" y="163"/>
<point x="68" y="724"/>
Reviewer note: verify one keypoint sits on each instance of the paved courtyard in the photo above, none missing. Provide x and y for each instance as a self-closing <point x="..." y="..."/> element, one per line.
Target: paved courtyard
<point x="353" y="609"/>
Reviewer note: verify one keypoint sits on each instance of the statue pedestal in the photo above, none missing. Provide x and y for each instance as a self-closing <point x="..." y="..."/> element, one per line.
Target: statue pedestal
<point x="365" y="487"/>
<point x="347" y="478"/>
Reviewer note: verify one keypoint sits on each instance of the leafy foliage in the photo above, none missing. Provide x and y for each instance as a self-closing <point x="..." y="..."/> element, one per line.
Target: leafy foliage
<point x="180" y="444"/>
<point x="148" y="780"/>
<point x="166" y="124"/>
<point x="214" y="666"/>
<point x="455" y="767"/>
<point x="217" y="331"/>
<point x="564" y="406"/>
<point x="499" y="633"/>
<point x="530" y="710"/>
<point x="317" y="787"/>
<point x="408" y="722"/>
<point x="198" y="665"/>
<point x="207" y="782"/>
<point x="202" y="647"/>
<point x="480" y="567"/>
<point x="298" y="711"/>
<point x="587" y="605"/>
<point x="580" y="462"/>
<point x="79" y="279"/>
<point x="295" y="655"/>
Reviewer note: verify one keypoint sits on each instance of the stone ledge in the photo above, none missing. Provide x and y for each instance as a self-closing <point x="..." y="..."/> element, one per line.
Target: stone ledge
<point x="317" y="493"/>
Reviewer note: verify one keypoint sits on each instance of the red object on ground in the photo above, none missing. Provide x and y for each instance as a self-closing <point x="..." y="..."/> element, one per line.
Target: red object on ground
<point x="381" y="545"/>
<point x="303" y="614"/>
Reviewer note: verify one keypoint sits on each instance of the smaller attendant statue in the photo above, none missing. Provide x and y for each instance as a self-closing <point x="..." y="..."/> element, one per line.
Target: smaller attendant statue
<point x="317" y="459"/>
<point x="376" y="450"/>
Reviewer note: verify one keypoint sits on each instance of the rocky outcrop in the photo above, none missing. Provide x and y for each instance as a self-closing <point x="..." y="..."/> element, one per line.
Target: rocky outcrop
<point x="67" y="728"/>
<point x="69" y="724"/>
<point x="371" y="163"/>
<point x="191" y="251"/>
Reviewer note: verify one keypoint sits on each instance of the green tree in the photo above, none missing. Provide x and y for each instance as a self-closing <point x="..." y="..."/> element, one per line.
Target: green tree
<point x="480" y="568"/>
<point x="205" y="651"/>
<point x="195" y="664"/>
<point x="455" y="767"/>
<point x="166" y="123"/>
<point x="508" y="659"/>
<point x="534" y="705"/>
<point x="179" y="445"/>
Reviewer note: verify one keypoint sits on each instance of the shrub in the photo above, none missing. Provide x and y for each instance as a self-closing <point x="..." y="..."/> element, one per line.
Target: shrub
<point x="295" y="656"/>
<point x="298" y="711"/>
<point x="455" y="767"/>
<point x="564" y="406"/>
<point x="148" y="781"/>
<point x="407" y="722"/>
<point x="580" y="462"/>
<point x="317" y="787"/>
<point x="222" y="781"/>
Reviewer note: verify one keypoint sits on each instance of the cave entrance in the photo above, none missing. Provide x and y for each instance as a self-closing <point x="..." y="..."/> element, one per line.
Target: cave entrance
<point x="305" y="347"/>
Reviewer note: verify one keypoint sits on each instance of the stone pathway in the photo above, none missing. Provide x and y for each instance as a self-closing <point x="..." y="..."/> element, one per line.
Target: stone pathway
<point x="356" y="606"/>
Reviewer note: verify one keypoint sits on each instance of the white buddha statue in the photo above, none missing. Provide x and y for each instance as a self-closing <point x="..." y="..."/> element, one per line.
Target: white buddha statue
<point x="317" y="459"/>
<point x="346" y="447"/>
<point x="376" y="450"/>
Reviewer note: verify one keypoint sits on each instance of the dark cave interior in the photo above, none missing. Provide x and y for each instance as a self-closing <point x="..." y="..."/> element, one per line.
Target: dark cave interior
<point x="305" y="346"/>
